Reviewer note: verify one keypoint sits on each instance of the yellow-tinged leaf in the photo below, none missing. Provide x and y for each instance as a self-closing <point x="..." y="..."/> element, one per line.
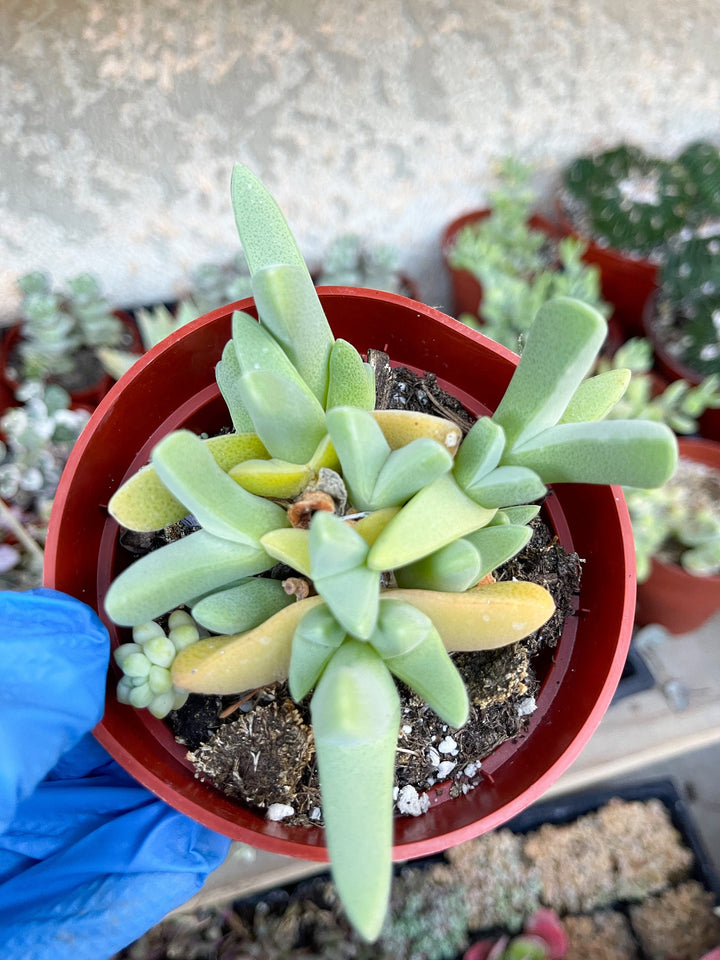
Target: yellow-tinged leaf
<point x="488" y="616"/>
<point x="276" y="479"/>
<point x="244" y="661"/>
<point x="371" y="526"/>
<point x="144" y="503"/>
<point x="290" y="546"/>
<point x="401" y="427"/>
<point x="325" y="456"/>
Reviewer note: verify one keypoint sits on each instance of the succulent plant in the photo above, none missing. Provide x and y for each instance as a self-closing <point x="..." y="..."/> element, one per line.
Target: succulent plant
<point x="702" y="160"/>
<point x="56" y="326"/>
<point x="154" y="324"/>
<point x="212" y="286"/>
<point x="629" y="200"/>
<point x="519" y="267"/>
<point x="348" y="264"/>
<point x="396" y="572"/>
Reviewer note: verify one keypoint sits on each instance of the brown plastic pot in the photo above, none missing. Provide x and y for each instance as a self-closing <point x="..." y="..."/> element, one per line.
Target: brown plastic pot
<point x="173" y="386"/>
<point x="673" y="369"/>
<point x="627" y="282"/>
<point x="678" y="600"/>
<point x="466" y="288"/>
<point x="88" y="397"/>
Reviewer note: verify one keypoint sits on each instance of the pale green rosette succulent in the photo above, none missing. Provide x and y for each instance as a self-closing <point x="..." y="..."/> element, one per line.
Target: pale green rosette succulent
<point x="394" y="575"/>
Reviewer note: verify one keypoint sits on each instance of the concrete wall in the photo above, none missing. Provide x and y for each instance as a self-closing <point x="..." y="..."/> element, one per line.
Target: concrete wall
<point x="120" y="122"/>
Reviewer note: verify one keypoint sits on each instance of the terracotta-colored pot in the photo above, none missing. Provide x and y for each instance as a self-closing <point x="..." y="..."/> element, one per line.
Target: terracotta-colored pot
<point x="627" y="282"/>
<point x="466" y="288"/>
<point x="173" y="386"/>
<point x="88" y="397"/>
<point x="673" y="369"/>
<point x="672" y="597"/>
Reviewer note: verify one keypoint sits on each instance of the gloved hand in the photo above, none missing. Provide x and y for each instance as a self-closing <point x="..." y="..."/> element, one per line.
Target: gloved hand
<point x="89" y="859"/>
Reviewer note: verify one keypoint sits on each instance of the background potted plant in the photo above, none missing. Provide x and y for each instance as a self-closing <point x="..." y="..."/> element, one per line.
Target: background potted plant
<point x="628" y="204"/>
<point x="350" y="263"/>
<point x="59" y="335"/>
<point x="677" y="538"/>
<point x="419" y="503"/>
<point x="505" y="262"/>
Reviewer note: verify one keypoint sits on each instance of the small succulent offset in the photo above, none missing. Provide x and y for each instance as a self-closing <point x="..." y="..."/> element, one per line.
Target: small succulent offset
<point x="391" y="518"/>
<point x="56" y="326"/>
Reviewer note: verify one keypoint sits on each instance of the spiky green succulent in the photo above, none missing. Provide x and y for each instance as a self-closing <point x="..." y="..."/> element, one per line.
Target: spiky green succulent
<point x="395" y="573"/>
<point x="629" y="200"/>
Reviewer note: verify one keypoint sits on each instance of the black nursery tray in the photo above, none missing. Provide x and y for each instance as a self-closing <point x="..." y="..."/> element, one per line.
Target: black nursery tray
<point x="636" y="676"/>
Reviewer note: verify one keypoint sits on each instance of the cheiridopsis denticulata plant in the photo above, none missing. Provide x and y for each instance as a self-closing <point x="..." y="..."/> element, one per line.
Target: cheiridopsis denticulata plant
<point x="395" y="575"/>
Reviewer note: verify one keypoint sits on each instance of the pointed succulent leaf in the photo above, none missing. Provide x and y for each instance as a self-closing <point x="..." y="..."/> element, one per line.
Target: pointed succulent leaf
<point x="596" y="396"/>
<point x="454" y="568"/>
<point x="433" y="518"/>
<point x="264" y="233"/>
<point x="334" y="545"/>
<point x="362" y="450"/>
<point x="411" y="647"/>
<point x="188" y="469"/>
<point x="288" y="305"/>
<point x="243" y="661"/>
<point x="242" y="606"/>
<point x="561" y="346"/>
<point x="498" y="544"/>
<point x="290" y="546"/>
<point x="324" y="456"/>
<point x="634" y="453"/>
<point x="316" y="638"/>
<point x="179" y="572"/>
<point x="227" y="376"/>
<point x="288" y="420"/>
<point x="479" y="452"/>
<point x="408" y="470"/>
<point x="348" y="382"/>
<point x="257" y="350"/>
<point x="370" y="526"/>
<point x="272" y="478"/>
<point x="520" y="515"/>
<point x="507" y="487"/>
<point x="488" y="616"/>
<point x="144" y="503"/>
<point x="401" y="427"/>
<point x="355" y="718"/>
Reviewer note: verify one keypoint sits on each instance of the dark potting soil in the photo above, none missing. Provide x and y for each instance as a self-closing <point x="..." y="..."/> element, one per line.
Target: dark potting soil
<point x="258" y="747"/>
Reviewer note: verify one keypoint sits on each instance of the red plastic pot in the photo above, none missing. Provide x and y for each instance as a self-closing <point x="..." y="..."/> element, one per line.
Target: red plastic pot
<point x="627" y="282"/>
<point x="173" y="386"/>
<point x="466" y="288"/>
<point x="88" y="397"/>
<point x="673" y="369"/>
<point x="672" y="597"/>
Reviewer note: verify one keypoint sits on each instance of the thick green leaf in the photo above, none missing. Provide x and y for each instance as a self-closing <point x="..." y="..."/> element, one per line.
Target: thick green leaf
<point x="177" y="573"/>
<point x="433" y="518"/>
<point x="288" y="420"/>
<point x="355" y="718"/>
<point x="498" y="544"/>
<point x="334" y="546"/>
<point x="634" y="453"/>
<point x="290" y="546"/>
<point x="189" y="471"/>
<point x="362" y="450"/>
<point x="479" y="452"/>
<point x="317" y="637"/>
<point x="257" y="350"/>
<point x="507" y="487"/>
<point x="519" y="515"/>
<point x="411" y="647"/>
<point x="227" y="375"/>
<point x="288" y="305"/>
<point x="261" y="224"/>
<point x="242" y="606"/>
<point x="408" y="470"/>
<point x="453" y="568"/>
<point x="561" y="347"/>
<point x="348" y="380"/>
<point x="596" y="396"/>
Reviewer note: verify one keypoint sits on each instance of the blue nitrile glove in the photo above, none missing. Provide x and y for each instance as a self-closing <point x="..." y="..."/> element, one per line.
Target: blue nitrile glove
<point x="89" y="859"/>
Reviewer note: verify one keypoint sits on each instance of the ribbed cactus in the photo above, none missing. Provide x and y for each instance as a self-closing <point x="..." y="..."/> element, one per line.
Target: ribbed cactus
<point x="702" y="160"/>
<point x="628" y="199"/>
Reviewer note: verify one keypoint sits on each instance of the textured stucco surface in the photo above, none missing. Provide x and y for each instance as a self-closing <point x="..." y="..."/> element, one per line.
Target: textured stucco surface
<point x="121" y="122"/>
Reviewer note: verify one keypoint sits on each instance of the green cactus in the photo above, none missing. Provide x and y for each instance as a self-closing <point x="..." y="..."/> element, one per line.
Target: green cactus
<point x="629" y="200"/>
<point x="439" y="520"/>
<point x="702" y="160"/>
